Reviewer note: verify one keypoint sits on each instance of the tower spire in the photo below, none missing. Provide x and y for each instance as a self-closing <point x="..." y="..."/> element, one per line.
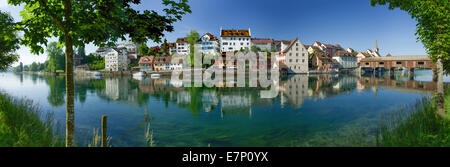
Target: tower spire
<point x="376" y="46"/>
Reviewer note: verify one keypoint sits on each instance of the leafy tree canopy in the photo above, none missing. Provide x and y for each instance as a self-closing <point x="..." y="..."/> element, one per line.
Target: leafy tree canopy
<point x="433" y="22"/>
<point x="9" y="41"/>
<point x="110" y="20"/>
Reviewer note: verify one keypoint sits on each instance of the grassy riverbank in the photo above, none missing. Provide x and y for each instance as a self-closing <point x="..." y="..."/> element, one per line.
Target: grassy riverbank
<point x="21" y="125"/>
<point x="417" y="125"/>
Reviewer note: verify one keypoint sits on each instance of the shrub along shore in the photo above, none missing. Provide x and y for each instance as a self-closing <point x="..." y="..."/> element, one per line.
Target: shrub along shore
<point x="418" y="125"/>
<point x="23" y="125"/>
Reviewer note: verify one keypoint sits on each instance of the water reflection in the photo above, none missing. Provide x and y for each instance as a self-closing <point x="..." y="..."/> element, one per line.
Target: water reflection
<point x="149" y="112"/>
<point x="293" y="90"/>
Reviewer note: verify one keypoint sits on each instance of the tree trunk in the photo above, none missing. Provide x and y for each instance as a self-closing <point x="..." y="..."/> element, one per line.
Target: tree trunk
<point x="70" y="115"/>
<point x="440" y="87"/>
<point x="68" y="39"/>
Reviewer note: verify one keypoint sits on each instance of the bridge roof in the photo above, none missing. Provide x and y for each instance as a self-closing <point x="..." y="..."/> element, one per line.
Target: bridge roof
<point x="399" y="58"/>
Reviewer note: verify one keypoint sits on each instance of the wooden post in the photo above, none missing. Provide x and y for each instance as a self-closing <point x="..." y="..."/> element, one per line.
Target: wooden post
<point x="104" y="123"/>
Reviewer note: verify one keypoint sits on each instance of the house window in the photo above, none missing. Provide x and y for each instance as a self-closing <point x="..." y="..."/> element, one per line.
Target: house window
<point x="290" y="60"/>
<point x="296" y="54"/>
<point x="381" y="63"/>
<point x="367" y="63"/>
<point x="399" y="62"/>
<point x="296" y="60"/>
<point x="303" y="60"/>
<point x="421" y="63"/>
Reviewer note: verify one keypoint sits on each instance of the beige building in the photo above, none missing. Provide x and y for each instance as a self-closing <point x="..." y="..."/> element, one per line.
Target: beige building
<point x="296" y="57"/>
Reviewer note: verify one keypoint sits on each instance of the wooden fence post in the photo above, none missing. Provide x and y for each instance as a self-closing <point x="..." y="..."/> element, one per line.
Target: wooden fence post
<point x="104" y="123"/>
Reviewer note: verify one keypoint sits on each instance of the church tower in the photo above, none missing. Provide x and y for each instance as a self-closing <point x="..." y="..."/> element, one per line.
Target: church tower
<point x="376" y="47"/>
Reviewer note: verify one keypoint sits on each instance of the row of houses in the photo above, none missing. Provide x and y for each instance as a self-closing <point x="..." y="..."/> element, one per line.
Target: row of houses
<point x="293" y="55"/>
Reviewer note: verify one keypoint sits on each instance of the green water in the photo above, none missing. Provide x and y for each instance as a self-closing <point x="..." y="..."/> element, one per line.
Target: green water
<point x="314" y="110"/>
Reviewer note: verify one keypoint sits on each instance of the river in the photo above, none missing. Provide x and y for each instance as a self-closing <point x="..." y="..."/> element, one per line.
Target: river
<point x="308" y="110"/>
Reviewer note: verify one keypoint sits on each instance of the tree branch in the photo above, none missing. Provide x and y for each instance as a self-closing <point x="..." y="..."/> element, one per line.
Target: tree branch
<point x="54" y="18"/>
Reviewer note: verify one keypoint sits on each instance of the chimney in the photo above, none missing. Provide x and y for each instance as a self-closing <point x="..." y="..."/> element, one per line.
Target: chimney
<point x="388" y="55"/>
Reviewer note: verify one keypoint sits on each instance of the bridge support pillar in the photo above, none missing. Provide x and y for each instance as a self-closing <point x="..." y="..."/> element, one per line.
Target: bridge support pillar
<point x="411" y="73"/>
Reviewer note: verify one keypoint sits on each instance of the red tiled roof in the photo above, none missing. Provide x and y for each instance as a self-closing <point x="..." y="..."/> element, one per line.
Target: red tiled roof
<point x="258" y="40"/>
<point x="146" y="60"/>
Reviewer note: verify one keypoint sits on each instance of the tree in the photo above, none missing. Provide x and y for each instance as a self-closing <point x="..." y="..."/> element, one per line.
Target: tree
<point x="77" y="23"/>
<point x="255" y="48"/>
<point x="34" y="67"/>
<point x="56" y="58"/>
<point x="81" y="52"/>
<point x="433" y="22"/>
<point x="192" y="38"/>
<point x="165" y="47"/>
<point x="9" y="41"/>
<point x="143" y="50"/>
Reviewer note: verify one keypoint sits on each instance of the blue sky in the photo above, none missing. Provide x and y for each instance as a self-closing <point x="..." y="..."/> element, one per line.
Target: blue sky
<point x="350" y="23"/>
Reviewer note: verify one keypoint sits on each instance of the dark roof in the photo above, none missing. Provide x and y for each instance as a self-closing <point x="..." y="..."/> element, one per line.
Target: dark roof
<point x="290" y="44"/>
<point x="182" y="40"/>
<point x="172" y="44"/>
<point x="211" y="37"/>
<point x="235" y="33"/>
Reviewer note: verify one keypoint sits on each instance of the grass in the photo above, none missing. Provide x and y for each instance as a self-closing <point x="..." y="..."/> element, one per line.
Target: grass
<point x="417" y="125"/>
<point x="21" y="125"/>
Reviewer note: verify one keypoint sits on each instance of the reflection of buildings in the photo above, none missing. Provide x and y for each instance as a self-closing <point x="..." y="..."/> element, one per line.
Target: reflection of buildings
<point x="348" y="82"/>
<point x="295" y="90"/>
<point x="235" y="104"/>
<point x="209" y="99"/>
<point x="409" y="86"/>
<point x="116" y="88"/>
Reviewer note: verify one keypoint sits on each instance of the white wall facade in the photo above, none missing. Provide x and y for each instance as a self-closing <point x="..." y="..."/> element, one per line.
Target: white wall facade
<point x="346" y="61"/>
<point x="116" y="60"/>
<point x="231" y="44"/>
<point x="183" y="48"/>
<point x="208" y="46"/>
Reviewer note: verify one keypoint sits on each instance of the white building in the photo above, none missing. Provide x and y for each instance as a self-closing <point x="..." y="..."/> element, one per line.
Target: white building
<point x="209" y="44"/>
<point x="172" y="47"/>
<point x="182" y="46"/>
<point x="132" y="48"/>
<point x="234" y="40"/>
<point x="345" y="59"/>
<point x="176" y="63"/>
<point x="116" y="59"/>
<point x="296" y="57"/>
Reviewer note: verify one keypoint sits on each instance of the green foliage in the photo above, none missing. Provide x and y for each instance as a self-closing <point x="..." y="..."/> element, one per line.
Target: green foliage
<point x="143" y="50"/>
<point x="133" y="63"/>
<point x="81" y="51"/>
<point x="418" y="125"/>
<point x="165" y="47"/>
<point x="255" y="48"/>
<point x="192" y="39"/>
<point x="99" y="22"/>
<point x="433" y="22"/>
<point x="21" y="126"/>
<point x="34" y="66"/>
<point x="95" y="62"/>
<point x="56" y="58"/>
<point x="9" y="41"/>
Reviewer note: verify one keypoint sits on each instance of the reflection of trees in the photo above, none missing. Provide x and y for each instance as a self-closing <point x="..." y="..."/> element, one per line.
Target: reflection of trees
<point x="57" y="90"/>
<point x="85" y="85"/>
